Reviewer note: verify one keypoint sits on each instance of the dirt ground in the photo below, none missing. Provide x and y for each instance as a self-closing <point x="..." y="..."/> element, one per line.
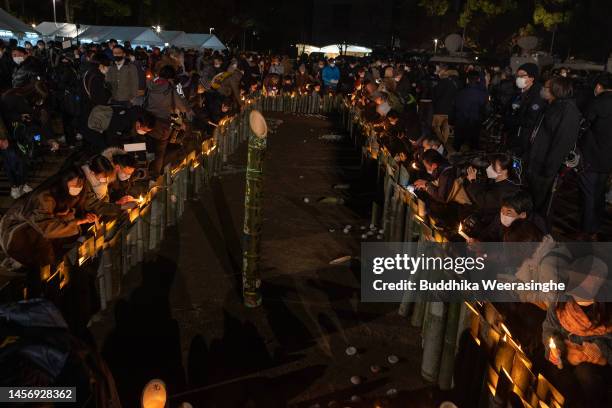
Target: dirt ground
<point x="180" y="317"/>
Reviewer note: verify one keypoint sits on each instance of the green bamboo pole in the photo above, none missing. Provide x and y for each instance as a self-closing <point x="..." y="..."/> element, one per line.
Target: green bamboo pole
<point x="252" y="210"/>
<point x="447" y="364"/>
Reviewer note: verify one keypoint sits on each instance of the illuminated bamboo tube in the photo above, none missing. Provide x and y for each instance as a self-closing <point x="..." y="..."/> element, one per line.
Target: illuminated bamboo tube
<point x="447" y="365"/>
<point x="433" y="338"/>
<point x="252" y="210"/>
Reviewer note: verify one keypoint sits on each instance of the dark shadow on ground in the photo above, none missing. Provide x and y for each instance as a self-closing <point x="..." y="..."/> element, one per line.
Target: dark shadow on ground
<point x="145" y="342"/>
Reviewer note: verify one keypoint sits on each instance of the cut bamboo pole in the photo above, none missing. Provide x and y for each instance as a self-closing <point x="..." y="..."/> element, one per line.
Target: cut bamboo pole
<point x="252" y="210"/>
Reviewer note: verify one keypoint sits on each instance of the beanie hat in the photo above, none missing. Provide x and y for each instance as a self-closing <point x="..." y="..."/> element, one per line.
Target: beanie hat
<point x="531" y="69"/>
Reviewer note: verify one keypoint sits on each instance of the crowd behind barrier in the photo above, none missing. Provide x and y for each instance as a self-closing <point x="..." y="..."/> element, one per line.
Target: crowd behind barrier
<point x="405" y="116"/>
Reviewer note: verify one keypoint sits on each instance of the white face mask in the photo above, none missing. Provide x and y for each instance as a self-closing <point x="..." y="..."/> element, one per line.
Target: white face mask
<point x="440" y="149"/>
<point x="521" y="82"/>
<point x="429" y="171"/>
<point x="506" y="220"/>
<point x="75" y="191"/>
<point x="18" y="60"/>
<point x="141" y="132"/>
<point x="491" y="173"/>
<point x="123" y="176"/>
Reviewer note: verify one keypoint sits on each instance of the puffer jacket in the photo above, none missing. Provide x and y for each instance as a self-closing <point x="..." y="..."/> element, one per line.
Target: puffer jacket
<point x="29" y="71"/>
<point x="37" y="210"/>
<point x="162" y="100"/>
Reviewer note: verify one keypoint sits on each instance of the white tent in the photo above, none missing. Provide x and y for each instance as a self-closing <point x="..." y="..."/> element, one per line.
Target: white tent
<point x="66" y="30"/>
<point x="135" y="35"/>
<point x="13" y="27"/>
<point x="201" y="41"/>
<point x="334" y="49"/>
<point x="95" y="33"/>
<point x="170" y="36"/>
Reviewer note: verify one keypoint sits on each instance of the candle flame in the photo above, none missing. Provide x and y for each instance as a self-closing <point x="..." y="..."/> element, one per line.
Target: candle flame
<point x="551" y="344"/>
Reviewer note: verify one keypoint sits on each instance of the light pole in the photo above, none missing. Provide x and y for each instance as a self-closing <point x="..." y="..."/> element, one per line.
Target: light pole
<point x="54" y="14"/>
<point x="435" y="45"/>
<point x="210" y="30"/>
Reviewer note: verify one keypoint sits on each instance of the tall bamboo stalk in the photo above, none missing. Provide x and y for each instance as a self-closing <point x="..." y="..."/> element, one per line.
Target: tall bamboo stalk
<point x="251" y="279"/>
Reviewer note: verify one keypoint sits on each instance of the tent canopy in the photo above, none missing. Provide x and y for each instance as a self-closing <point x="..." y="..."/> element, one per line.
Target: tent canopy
<point x="169" y="36"/>
<point x="203" y="41"/>
<point x="334" y="49"/>
<point x="12" y="26"/>
<point x="67" y="30"/>
<point x="95" y="33"/>
<point x="135" y="35"/>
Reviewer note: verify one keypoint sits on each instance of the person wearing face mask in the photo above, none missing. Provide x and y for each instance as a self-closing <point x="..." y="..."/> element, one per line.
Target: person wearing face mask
<point x="40" y="51"/>
<point x="431" y="143"/>
<point x="518" y="206"/>
<point x="487" y="195"/>
<point x="35" y="228"/>
<point x="98" y="172"/>
<point x="330" y="75"/>
<point x="123" y="79"/>
<point x="526" y="110"/>
<point x="596" y="148"/>
<point x="441" y="176"/>
<point x="26" y="68"/>
<point x="302" y="78"/>
<point x="554" y="138"/>
<point x="581" y="329"/>
<point x="276" y="67"/>
<point x="95" y="92"/>
<point x="119" y="185"/>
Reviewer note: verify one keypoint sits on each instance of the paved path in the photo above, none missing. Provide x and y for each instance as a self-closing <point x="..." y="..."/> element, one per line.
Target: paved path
<point x="181" y="318"/>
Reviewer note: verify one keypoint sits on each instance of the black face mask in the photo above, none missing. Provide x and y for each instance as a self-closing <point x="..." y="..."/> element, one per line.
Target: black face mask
<point x="119" y="59"/>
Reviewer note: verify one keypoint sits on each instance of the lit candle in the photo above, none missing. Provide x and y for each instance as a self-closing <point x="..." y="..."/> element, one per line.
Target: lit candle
<point x="554" y="351"/>
<point x="463" y="234"/>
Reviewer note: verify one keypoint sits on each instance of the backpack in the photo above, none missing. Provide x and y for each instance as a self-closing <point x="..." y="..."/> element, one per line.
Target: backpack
<point x="218" y="79"/>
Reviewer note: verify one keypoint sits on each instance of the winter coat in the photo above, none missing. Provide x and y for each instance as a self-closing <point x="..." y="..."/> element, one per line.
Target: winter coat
<point x="330" y="76"/>
<point x="487" y="196"/>
<point x="123" y="81"/>
<point x="530" y="105"/>
<point x="28" y="71"/>
<point x="596" y="144"/>
<point x="574" y="335"/>
<point x="37" y="210"/>
<point x="162" y="99"/>
<point x="97" y="202"/>
<point x="470" y="105"/>
<point x="444" y="93"/>
<point x="554" y="139"/>
<point x="94" y="90"/>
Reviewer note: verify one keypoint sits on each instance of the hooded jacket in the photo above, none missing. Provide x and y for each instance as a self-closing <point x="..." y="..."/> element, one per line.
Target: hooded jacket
<point x="162" y="99"/>
<point x="596" y="144"/>
<point x="37" y="210"/>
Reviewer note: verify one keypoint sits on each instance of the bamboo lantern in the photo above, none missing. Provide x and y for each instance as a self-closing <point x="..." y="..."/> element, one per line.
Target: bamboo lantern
<point x="252" y="210"/>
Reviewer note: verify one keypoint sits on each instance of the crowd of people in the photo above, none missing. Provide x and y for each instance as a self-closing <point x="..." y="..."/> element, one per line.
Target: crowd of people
<point x="499" y="181"/>
<point x="489" y="145"/>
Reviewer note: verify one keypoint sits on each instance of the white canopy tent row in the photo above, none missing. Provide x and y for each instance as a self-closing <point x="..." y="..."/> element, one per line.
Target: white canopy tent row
<point x="210" y="41"/>
<point x="12" y="27"/>
<point x="144" y="36"/>
<point x="334" y="50"/>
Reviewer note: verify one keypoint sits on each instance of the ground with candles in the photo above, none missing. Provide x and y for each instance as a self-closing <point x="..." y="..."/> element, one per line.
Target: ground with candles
<point x="180" y="316"/>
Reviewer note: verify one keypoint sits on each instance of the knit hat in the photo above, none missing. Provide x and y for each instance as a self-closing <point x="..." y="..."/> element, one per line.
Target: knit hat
<point x="530" y="68"/>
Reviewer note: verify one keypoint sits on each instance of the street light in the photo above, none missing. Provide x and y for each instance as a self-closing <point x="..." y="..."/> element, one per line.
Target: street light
<point x="435" y="45"/>
<point x="157" y="28"/>
<point x="54" y="15"/>
<point x="210" y="30"/>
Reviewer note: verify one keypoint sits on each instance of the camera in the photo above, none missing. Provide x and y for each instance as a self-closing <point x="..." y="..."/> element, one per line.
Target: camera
<point x="477" y="160"/>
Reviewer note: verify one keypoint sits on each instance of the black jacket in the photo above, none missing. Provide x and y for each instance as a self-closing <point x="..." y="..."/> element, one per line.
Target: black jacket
<point x="555" y="138"/>
<point x="524" y="119"/>
<point x="442" y="182"/>
<point x="596" y="144"/>
<point x="29" y="70"/>
<point x="487" y="196"/>
<point x="494" y="231"/>
<point x="95" y="91"/>
<point x="444" y="96"/>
